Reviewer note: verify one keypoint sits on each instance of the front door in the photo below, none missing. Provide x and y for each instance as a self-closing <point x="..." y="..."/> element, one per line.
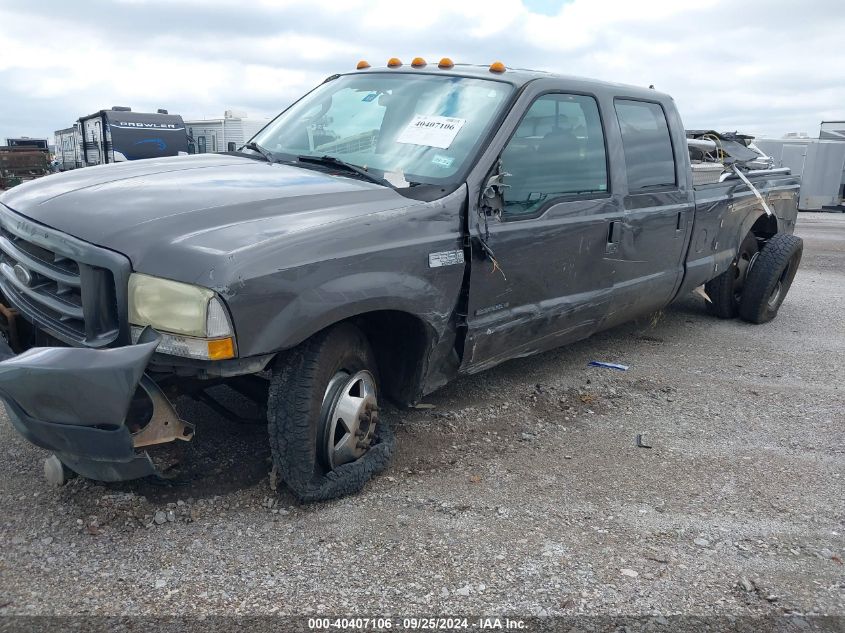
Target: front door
<point x="550" y="283"/>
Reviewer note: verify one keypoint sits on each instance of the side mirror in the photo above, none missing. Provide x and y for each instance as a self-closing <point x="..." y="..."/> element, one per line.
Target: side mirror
<point x="495" y="185"/>
<point x="493" y="193"/>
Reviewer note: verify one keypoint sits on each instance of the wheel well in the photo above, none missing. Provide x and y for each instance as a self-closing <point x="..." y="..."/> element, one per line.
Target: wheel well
<point x="400" y="342"/>
<point x="765" y="227"/>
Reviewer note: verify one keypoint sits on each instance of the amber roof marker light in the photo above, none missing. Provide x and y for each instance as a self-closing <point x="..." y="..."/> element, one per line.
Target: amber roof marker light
<point x="363" y="65"/>
<point x="497" y="67"/>
<point x="418" y="62"/>
<point x="446" y="63"/>
<point x="394" y="62"/>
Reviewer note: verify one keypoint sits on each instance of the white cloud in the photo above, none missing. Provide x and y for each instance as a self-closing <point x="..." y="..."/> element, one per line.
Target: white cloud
<point x="766" y="67"/>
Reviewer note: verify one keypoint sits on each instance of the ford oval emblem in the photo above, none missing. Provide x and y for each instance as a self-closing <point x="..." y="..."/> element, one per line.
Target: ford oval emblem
<point x="23" y="275"/>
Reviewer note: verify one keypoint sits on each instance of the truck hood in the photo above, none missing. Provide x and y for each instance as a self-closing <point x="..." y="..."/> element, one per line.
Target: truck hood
<point x="212" y="204"/>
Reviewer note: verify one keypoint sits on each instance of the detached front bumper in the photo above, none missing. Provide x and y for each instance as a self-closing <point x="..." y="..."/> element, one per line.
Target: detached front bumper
<point x="74" y="402"/>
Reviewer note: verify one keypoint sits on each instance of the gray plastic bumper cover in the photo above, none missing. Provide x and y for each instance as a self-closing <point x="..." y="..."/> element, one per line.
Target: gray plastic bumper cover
<point x="74" y="401"/>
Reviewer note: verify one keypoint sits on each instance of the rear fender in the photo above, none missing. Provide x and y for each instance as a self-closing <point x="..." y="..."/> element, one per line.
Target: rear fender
<point x="716" y="239"/>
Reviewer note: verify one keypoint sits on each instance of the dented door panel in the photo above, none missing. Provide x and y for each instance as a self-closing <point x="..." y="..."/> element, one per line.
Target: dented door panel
<point x="650" y="262"/>
<point x="552" y="285"/>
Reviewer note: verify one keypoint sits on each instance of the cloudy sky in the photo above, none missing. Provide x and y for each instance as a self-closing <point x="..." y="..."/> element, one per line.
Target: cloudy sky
<point x="766" y="67"/>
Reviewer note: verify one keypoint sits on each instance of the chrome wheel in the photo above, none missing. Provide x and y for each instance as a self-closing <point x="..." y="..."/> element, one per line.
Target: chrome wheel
<point x="348" y="419"/>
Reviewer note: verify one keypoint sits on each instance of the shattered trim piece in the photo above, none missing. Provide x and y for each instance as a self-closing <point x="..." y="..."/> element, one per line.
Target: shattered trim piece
<point x="756" y="193"/>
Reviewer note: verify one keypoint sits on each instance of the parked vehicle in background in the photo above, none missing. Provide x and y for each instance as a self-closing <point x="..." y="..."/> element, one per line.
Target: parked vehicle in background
<point x="29" y="143"/>
<point x="820" y="162"/>
<point x="832" y="131"/>
<point x="393" y="229"/>
<point x="69" y="147"/>
<point x="225" y="134"/>
<point x="23" y="159"/>
<point x="118" y="134"/>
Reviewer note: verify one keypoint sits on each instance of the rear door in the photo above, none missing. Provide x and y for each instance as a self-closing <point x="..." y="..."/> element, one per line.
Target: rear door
<point x="659" y="207"/>
<point x="550" y="284"/>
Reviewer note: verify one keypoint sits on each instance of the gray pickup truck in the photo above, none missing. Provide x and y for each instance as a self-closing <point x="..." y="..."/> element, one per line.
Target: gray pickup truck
<point x="395" y="228"/>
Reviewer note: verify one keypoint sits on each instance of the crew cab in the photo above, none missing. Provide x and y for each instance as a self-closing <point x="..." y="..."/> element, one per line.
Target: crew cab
<point x="395" y="228"/>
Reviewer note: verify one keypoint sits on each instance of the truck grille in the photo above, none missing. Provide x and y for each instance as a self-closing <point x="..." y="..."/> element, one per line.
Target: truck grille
<point x="55" y="281"/>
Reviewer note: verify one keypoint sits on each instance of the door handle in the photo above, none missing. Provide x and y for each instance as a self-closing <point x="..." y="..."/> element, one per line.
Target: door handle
<point x="679" y="224"/>
<point x="614" y="234"/>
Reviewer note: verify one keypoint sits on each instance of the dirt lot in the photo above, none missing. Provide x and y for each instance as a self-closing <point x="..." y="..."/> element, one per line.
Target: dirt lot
<point x="521" y="491"/>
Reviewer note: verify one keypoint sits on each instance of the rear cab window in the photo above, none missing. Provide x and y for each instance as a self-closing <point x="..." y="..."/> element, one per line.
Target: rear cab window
<point x="649" y="158"/>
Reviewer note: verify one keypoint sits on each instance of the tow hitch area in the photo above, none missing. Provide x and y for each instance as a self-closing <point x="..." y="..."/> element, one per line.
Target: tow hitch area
<point x="91" y="408"/>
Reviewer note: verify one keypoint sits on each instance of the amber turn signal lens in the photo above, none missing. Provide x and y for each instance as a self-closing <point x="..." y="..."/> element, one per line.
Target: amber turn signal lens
<point x="394" y="62"/>
<point x="497" y="67"/>
<point x="221" y="349"/>
<point x="363" y="64"/>
<point x="445" y="63"/>
<point x="418" y="62"/>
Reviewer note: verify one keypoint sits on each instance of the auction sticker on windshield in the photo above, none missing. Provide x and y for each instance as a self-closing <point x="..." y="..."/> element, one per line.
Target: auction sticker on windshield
<point x="431" y="131"/>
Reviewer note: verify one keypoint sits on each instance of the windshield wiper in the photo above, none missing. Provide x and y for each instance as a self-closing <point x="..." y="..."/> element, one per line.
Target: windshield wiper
<point x="337" y="162"/>
<point x="268" y="156"/>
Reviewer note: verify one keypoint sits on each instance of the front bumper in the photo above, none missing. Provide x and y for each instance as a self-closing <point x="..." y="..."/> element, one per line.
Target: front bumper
<point x="74" y="402"/>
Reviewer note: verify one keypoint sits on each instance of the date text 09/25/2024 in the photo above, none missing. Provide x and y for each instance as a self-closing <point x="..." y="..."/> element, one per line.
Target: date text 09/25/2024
<point x="415" y="624"/>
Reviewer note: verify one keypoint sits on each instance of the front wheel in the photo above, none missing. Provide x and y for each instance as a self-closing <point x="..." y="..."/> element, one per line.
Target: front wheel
<point x="326" y="434"/>
<point x="770" y="278"/>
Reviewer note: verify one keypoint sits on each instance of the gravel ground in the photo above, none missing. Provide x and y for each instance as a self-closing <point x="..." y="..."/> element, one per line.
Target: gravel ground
<point x="519" y="491"/>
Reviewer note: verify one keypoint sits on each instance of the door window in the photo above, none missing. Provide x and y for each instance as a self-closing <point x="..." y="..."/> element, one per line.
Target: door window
<point x="201" y="145"/>
<point x="557" y="151"/>
<point x="648" y="147"/>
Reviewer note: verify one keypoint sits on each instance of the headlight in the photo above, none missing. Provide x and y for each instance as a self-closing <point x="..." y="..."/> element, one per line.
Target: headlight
<point x="191" y="319"/>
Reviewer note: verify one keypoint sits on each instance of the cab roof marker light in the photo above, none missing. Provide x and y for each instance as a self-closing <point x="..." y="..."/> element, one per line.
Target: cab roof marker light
<point x="446" y="63"/>
<point x="497" y="67"/>
<point x="362" y="65"/>
<point x="394" y="62"/>
<point x="418" y="62"/>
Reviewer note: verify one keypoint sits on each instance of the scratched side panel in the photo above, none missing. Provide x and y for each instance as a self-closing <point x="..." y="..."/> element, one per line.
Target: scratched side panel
<point x="552" y="287"/>
<point x="725" y="213"/>
<point x="650" y="261"/>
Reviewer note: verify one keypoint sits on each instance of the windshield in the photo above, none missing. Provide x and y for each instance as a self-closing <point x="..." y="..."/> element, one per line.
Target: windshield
<point x="407" y="127"/>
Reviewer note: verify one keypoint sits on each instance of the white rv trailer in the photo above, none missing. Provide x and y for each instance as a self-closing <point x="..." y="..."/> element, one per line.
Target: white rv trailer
<point x="225" y="134"/>
<point x="69" y="147"/>
<point x="118" y="134"/>
<point x="819" y="161"/>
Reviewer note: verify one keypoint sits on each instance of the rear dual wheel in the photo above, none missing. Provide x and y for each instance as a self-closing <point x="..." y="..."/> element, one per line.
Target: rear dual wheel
<point x="756" y="284"/>
<point x="725" y="291"/>
<point x="770" y="278"/>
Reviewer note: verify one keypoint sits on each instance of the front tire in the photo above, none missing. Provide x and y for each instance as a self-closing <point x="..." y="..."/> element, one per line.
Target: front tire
<point x="770" y="278"/>
<point x="325" y="433"/>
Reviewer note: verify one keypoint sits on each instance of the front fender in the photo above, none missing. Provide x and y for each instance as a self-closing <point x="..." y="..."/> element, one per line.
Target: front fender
<point x="344" y="297"/>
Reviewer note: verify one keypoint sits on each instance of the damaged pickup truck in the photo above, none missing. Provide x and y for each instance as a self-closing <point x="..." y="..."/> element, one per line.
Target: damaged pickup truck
<point x="393" y="229"/>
